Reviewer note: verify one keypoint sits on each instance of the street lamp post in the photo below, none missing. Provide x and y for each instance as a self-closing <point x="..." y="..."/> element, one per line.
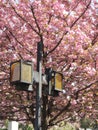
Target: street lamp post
<point x="22" y="76"/>
<point x="38" y="125"/>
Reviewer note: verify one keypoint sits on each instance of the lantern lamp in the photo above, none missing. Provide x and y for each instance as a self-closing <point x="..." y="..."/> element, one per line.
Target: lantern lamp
<point x="55" y="81"/>
<point x="21" y="72"/>
<point x="58" y="81"/>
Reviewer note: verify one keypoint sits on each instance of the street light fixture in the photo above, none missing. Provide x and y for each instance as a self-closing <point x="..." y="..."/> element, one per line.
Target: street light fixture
<point x="55" y="81"/>
<point x="21" y="72"/>
<point x="22" y="76"/>
<point x="58" y="81"/>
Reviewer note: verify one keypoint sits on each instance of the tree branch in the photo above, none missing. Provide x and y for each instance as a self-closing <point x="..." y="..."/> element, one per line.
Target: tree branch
<point x="24" y="20"/>
<point x="94" y="39"/>
<point x="65" y="33"/>
<point x="18" y="41"/>
<point x="7" y="36"/>
<point x="81" y="14"/>
<point x="87" y="86"/>
<point x="30" y="118"/>
<point x="39" y="30"/>
<point x="32" y="10"/>
<point x="63" y="110"/>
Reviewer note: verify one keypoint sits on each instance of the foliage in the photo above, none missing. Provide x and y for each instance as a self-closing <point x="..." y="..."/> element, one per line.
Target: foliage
<point x="68" y="126"/>
<point x="3" y="129"/>
<point x="69" y="32"/>
<point x="25" y="127"/>
<point x="85" y="123"/>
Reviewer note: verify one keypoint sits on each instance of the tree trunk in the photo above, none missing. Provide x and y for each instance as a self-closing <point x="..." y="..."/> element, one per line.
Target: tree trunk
<point x="44" y="113"/>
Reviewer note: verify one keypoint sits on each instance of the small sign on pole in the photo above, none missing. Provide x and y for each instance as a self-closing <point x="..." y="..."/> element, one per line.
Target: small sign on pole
<point x="13" y="125"/>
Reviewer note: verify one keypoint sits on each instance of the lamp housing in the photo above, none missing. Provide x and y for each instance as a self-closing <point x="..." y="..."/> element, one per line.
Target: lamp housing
<point x="21" y="72"/>
<point x="55" y="81"/>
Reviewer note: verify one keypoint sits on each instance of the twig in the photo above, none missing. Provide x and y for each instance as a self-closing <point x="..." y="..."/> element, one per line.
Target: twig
<point x="24" y="20"/>
<point x="18" y="41"/>
<point x="87" y="86"/>
<point x="64" y="108"/>
<point x="65" y="33"/>
<point x="39" y="30"/>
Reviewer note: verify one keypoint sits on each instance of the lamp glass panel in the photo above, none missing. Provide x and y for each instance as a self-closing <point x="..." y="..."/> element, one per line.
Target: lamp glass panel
<point x="26" y="73"/>
<point x="58" y="82"/>
<point x="15" y="72"/>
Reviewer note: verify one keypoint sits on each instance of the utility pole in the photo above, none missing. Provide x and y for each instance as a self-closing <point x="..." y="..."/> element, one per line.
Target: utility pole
<point x="38" y="120"/>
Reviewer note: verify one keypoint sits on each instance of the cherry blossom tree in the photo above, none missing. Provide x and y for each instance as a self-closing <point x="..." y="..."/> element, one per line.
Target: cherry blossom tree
<point x="69" y="32"/>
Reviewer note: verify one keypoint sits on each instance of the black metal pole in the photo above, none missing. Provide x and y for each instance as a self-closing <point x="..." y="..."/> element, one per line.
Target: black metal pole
<point x="38" y="120"/>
